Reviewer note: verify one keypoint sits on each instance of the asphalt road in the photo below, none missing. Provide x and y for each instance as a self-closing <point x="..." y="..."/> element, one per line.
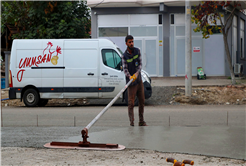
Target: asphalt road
<point x="117" y="116"/>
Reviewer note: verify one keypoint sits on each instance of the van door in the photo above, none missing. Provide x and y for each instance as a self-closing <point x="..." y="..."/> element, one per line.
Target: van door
<point x="81" y="69"/>
<point x="25" y="58"/>
<point x="52" y="69"/>
<point x="112" y="78"/>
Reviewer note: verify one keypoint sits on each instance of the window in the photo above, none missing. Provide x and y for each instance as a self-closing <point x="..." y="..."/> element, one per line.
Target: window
<point x="144" y="31"/>
<point x="160" y="19"/>
<point x="111" y="59"/>
<point x="234" y="40"/>
<point x="179" y="19"/>
<point x="172" y="19"/>
<point x="109" y="32"/>
<point x="242" y="29"/>
<point x="242" y="50"/>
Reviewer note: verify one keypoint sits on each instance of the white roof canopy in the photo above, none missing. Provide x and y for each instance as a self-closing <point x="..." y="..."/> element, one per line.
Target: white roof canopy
<point x="133" y="3"/>
<point x="141" y="3"/>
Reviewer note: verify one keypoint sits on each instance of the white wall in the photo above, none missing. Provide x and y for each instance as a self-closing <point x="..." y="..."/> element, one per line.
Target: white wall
<point x="214" y="59"/>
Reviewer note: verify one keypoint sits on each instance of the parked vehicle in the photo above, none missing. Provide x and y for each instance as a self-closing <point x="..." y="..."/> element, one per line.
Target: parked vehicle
<point x="43" y="69"/>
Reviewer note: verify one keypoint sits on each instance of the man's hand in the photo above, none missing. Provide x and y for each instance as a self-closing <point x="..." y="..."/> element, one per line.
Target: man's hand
<point x="136" y="74"/>
<point x="133" y="77"/>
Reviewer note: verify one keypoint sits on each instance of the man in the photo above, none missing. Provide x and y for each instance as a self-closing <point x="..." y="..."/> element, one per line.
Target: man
<point x="132" y="62"/>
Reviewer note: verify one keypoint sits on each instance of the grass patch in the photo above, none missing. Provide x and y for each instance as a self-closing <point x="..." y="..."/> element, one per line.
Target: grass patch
<point x="175" y="94"/>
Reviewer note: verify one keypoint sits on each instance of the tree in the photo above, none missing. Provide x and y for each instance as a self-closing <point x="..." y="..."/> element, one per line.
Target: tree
<point x="210" y="10"/>
<point x="46" y="19"/>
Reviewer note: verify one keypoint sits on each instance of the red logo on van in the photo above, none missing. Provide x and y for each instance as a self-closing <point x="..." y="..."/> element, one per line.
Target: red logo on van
<point x="35" y="61"/>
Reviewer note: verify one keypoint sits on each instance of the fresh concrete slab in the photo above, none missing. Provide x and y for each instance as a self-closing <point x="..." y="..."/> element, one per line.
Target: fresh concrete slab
<point x="219" y="141"/>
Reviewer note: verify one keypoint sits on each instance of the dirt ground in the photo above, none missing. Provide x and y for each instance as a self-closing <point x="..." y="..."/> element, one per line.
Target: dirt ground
<point x="52" y="102"/>
<point x="223" y="95"/>
<point x="41" y="156"/>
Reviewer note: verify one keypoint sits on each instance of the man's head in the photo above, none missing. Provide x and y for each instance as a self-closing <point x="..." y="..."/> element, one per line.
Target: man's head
<point x="129" y="42"/>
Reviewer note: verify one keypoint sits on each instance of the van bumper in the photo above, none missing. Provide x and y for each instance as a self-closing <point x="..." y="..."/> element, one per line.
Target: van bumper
<point x="147" y="90"/>
<point x="12" y="93"/>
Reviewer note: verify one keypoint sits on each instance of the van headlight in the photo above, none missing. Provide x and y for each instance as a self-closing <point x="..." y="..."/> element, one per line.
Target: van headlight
<point x="145" y="77"/>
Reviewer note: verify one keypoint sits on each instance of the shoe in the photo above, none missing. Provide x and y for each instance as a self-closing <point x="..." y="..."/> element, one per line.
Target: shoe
<point x="142" y="123"/>
<point x="131" y="121"/>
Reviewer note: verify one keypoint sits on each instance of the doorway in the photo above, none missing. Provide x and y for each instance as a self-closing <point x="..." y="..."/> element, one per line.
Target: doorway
<point x="150" y="60"/>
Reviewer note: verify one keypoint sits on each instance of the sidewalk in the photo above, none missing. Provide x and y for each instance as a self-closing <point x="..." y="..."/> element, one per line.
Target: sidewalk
<point x="180" y="81"/>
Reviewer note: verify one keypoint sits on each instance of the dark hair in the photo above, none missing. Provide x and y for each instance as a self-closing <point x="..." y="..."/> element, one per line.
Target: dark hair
<point x="128" y="37"/>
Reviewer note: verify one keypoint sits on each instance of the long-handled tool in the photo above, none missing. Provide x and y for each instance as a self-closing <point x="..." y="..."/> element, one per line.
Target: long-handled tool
<point x="84" y="132"/>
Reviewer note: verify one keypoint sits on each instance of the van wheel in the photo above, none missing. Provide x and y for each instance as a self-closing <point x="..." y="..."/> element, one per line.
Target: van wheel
<point x="42" y="102"/>
<point x="126" y="99"/>
<point x="31" y="97"/>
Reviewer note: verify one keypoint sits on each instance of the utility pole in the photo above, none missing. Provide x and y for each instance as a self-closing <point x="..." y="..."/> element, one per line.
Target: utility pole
<point x="188" y="58"/>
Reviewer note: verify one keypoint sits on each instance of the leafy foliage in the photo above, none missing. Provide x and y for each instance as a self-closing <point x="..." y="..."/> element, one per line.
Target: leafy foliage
<point x="46" y="19"/>
<point x="209" y="11"/>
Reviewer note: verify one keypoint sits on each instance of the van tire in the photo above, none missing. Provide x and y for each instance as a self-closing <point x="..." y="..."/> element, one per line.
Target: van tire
<point x="126" y="99"/>
<point x="42" y="102"/>
<point x="31" y="98"/>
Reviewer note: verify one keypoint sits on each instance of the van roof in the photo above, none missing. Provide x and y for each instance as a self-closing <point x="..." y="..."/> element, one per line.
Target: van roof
<point x="102" y="42"/>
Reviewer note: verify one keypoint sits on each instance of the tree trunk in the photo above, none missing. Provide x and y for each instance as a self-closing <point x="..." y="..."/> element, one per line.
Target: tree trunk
<point x="229" y="59"/>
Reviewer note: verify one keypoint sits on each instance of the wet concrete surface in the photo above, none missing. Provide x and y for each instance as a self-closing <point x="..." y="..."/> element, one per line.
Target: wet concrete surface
<point x="201" y="130"/>
<point x="219" y="141"/>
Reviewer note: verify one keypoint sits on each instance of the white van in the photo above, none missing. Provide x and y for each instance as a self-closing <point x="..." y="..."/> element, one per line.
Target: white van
<point x="43" y="69"/>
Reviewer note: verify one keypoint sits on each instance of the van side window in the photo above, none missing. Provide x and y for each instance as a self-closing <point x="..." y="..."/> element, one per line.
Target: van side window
<point x="111" y="58"/>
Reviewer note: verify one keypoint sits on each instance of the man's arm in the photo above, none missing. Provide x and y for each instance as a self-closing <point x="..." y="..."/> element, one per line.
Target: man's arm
<point x="140" y="64"/>
<point x="125" y="68"/>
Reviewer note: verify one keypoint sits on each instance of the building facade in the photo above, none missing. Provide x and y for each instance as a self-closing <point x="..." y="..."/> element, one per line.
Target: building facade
<point x="159" y="32"/>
